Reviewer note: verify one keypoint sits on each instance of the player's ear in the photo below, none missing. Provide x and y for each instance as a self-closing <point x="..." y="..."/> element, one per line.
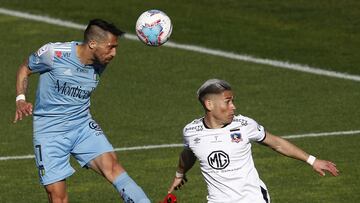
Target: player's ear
<point x="92" y="44"/>
<point x="209" y="104"/>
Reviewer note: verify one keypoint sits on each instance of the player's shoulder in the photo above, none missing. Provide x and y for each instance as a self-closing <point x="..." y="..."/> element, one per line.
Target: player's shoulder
<point x="44" y="49"/>
<point x="62" y="46"/>
<point x="51" y="47"/>
<point x="251" y="128"/>
<point x="194" y="126"/>
<point x="243" y="120"/>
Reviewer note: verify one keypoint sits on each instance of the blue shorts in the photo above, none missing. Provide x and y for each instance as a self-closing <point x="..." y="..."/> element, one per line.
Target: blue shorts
<point x="52" y="151"/>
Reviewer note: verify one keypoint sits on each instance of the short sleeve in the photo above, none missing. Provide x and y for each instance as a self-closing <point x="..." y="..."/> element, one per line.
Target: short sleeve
<point x="185" y="139"/>
<point x="42" y="59"/>
<point x="256" y="132"/>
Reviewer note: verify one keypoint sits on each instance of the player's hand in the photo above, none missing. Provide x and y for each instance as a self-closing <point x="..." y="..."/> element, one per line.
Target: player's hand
<point x="321" y="166"/>
<point x="177" y="184"/>
<point x="170" y="198"/>
<point x="23" y="108"/>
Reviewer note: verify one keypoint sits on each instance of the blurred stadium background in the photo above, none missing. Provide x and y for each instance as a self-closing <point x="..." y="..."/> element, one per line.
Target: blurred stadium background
<point x="147" y="94"/>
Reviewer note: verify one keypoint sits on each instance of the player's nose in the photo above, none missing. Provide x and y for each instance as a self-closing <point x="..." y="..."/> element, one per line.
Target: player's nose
<point x="232" y="106"/>
<point x="113" y="52"/>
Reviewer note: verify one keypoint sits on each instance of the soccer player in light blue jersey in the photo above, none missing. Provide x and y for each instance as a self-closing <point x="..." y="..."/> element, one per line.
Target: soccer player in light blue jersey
<point x="63" y="126"/>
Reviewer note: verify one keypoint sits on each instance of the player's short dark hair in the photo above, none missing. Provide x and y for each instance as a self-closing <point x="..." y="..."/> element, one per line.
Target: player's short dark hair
<point x="212" y="86"/>
<point x="103" y="25"/>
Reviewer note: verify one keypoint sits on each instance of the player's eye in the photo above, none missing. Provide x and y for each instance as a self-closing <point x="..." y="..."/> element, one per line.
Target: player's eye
<point x="228" y="101"/>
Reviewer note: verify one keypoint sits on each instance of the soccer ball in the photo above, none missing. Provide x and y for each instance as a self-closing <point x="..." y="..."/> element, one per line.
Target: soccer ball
<point x="153" y="27"/>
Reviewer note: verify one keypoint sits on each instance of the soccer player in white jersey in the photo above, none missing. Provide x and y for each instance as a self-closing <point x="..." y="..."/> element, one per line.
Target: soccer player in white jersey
<point x="221" y="142"/>
<point x="63" y="126"/>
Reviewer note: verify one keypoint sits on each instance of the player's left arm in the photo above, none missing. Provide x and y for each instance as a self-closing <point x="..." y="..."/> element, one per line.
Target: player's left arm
<point x="286" y="148"/>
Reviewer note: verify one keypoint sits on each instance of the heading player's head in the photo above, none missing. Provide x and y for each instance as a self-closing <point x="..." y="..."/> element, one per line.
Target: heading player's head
<point x="217" y="99"/>
<point x="101" y="38"/>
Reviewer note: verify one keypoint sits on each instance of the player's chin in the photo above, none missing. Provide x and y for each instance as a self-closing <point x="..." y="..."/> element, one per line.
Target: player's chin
<point x="230" y="118"/>
<point x="107" y="61"/>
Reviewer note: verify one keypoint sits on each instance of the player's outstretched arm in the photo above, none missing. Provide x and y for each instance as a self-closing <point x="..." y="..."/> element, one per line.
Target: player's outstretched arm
<point x="186" y="162"/>
<point x="23" y="108"/>
<point x="288" y="149"/>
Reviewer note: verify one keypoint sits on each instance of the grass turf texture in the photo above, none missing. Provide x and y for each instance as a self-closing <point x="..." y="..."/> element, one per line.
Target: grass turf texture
<point x="147" y="94"/>
<point x="288" y="180"/>
<point x="319" y="33"/>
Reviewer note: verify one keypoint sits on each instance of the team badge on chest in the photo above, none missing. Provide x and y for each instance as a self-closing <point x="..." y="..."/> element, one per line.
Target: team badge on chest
<point x="236" y="137"/>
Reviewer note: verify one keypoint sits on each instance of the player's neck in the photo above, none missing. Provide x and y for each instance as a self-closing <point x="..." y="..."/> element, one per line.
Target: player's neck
<point x="84" y="54"/>
<point x="212" y="123"/>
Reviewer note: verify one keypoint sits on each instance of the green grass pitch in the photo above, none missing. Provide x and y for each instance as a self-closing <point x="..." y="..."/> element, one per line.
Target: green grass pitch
<point x="147" y="95"/>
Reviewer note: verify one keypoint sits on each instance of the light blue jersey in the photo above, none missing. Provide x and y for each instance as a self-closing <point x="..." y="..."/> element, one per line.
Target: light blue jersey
<point x="62" y="122"/>
<point x="65" y="86"/>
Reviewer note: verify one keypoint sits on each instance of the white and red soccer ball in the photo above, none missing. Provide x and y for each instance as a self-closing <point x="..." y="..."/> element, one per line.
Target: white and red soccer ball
<point x="153" y="27"/>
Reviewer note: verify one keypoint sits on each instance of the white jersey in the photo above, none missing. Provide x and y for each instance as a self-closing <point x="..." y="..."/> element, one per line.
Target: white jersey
<point x="226" y="161"/>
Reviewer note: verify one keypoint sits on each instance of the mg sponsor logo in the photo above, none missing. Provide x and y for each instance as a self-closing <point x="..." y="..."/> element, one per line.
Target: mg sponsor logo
<point x="218" y="160"/>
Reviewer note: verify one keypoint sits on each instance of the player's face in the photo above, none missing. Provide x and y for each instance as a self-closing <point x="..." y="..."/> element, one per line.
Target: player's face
<point x="223" y="107"/>
<point x="106" y="49"/>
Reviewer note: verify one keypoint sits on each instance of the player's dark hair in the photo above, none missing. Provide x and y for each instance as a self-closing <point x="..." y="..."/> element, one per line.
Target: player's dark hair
<point x="90" y="31"/>
<point x="212" y="86"/>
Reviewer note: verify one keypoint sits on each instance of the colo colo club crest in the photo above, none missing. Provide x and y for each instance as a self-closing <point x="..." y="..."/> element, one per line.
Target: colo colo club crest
<point x="236" y="137"/>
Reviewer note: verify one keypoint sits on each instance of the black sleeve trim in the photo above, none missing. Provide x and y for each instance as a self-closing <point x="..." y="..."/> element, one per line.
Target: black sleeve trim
<point x="263" y="137"/>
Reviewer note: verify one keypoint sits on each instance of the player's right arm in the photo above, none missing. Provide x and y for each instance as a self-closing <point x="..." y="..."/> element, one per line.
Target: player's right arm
<point x="23" y="108"/>
<point x="186" y="162"/>
<point x="38" y="62"/>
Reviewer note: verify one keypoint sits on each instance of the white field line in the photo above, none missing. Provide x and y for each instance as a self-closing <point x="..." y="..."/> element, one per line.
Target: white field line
<point x="149" y="147"/>
<point x="351" y="132"/>
<point x="275" y="63"/>
<point x="340" y="133"/>
<point x="220" y="53"/>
